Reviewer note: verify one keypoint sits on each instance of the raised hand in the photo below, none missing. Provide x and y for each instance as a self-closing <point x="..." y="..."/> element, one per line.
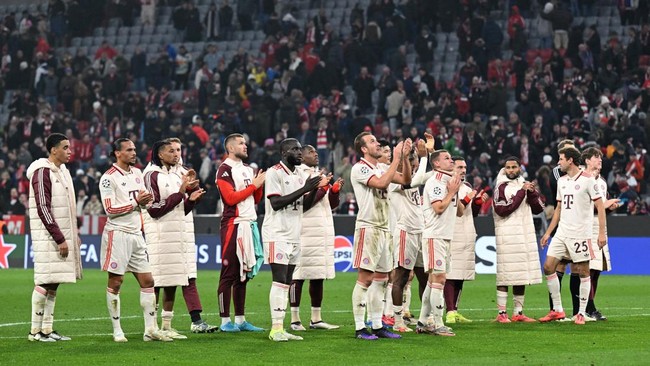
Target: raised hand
<point x="431" y="142"/>
<point x="397" y="151"/>
<point x="312" y="183"/>
<point x="454" y="184"/>
<point x="258" y="181"/>
<point x="543" y="242"/>
<point x="196" y="195"/>
<point x="421" y="148"/>
<point x="325" y="180"/>
<point x="144" y="197"/>
<point x="192" y="181"/>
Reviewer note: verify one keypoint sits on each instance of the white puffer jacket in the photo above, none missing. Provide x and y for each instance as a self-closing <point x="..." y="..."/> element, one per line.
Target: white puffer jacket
<point x="316" y="239"/>
<point x="517" y="256"/>
<point x="188" y="233"/>
<point x="49" y="267"/>
<point x="166" y="235"/>
<point x="463" y="257"/>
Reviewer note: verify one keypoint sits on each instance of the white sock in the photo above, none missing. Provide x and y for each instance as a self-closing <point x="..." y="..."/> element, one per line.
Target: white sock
<point x="554" y="289"/>
<point x="48" y="312"/>
<point x="398" y="311"/>
<point x="167" y="317"/>
<point x="359" y="299"/>
<point x="388" y="300"/>
<point x="295" y="314"/>
<point x="376" y="299"/>
<point x="148" y="305"/>
<point x="502" y="300"/>
<point x="519" y="304"/>
<point x="315" y="315"/>
<point x="240" y="319"/>
<point x="113" y="303"/>
<point x="225" y="321"/>
<point x="437" y="303"/>
<point x="585" y="288"/>
<point x="407" y="299"/>
<point x="426" y="305"/>
<point x="38" y="308"/>
<point x="278" y="303"/>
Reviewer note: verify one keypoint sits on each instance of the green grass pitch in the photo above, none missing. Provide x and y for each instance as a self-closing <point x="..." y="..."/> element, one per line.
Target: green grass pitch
<point x="81" y="313"/>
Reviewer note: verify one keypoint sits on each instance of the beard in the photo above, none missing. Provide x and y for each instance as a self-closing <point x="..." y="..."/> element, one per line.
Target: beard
<point x="512" y="176"/>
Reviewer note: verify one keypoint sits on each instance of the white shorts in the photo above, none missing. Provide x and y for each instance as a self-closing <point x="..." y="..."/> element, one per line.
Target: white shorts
<point x="579" y="250"/>
<point x="437" y="255"/>
<point x="407" y="248"/>
<point x="372" y="250"/>
<point x="276" y="252"/>
<point x="602" y="260"/>
<point x="123" y="252"/>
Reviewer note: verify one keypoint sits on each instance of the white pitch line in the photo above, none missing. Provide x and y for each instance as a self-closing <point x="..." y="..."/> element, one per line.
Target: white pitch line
<point x="106" y="318"/>
<point x="136" y="334"/>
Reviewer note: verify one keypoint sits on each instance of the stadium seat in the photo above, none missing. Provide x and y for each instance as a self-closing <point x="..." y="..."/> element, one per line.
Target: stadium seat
<point x="76" y="41"/>
<point x="98" y="32"/>
<point x="146" y="39"/>
<point x="110" y="31"/>
<point x="134" y="39"/>
<point x="122" y="40"/>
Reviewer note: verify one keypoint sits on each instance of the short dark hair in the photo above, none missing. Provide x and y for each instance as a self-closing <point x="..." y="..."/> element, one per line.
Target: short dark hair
<point x="572" y="153"/>
<point x="284" y="145"/>
<point x="359" y="142"/>
<point x="307" y="147"/>
<point x="590" y="153"/>
<point x="230" y="138"/>
<point x="384" y="143"/>
<point x="457" y="158"/>
<point x="54" y="140"/>
<point x="117" y="145"/>
<point x="513" y="158"/>
<point x="155" y="149"/>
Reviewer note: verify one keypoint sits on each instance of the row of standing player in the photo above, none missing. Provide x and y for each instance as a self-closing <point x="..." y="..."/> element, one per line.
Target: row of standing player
<point x="124" y="196"/>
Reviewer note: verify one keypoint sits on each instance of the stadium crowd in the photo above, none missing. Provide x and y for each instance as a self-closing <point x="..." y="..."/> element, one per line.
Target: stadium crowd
<point x="310" y="81"/>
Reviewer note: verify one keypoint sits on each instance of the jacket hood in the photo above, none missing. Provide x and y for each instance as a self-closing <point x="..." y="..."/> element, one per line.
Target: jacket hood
<point x="42" y="163"/>
<point x="502" y="177"/>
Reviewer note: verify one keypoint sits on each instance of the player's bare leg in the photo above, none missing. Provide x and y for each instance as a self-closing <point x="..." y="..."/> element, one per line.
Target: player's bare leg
<point x="169" y="297"/>
<point x="400" y="278"/>
<point x="387" y="317"/>
<point x="406" y="299"/>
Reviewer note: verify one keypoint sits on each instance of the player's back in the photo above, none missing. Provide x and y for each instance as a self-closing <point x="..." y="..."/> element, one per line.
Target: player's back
<point x="119" y="189"/>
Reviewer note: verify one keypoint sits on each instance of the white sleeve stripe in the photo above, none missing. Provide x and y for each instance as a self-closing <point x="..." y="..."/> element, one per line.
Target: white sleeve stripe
<point x="43" y="203"/>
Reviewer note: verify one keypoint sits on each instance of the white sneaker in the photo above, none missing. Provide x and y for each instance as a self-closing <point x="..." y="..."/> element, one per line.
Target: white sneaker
<point x="322" y="325"/>
<point x="154" y="334"/>
<point x="203" y="327"/>
<point x="40" y="337"/>
<point x="58" y="337"/>
<point x="589" y="318"/>
<point x="278" y="335"/>
<point x="173" y="334"/>
<point x="297" y="327"/>
<point x="292" y="337"/>
<point x="119" y="337"/>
